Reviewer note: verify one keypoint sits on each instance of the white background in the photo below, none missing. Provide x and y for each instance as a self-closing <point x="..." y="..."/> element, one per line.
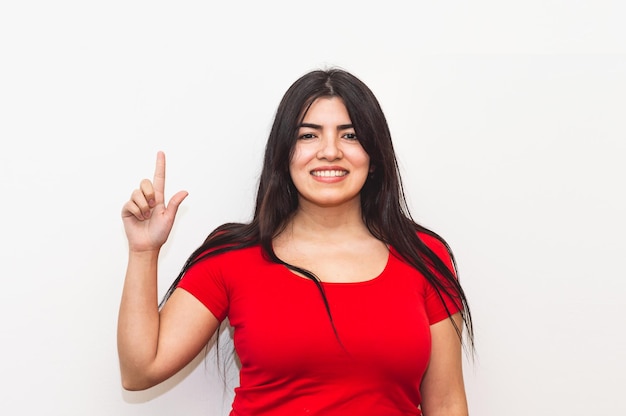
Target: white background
<point x="509" y="125"/>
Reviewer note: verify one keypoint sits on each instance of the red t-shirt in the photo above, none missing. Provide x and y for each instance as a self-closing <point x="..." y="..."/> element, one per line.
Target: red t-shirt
<point x="291" y="361"/>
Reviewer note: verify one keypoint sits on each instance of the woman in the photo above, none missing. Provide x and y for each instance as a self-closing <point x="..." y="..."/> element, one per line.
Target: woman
<point x="341" y="304"/>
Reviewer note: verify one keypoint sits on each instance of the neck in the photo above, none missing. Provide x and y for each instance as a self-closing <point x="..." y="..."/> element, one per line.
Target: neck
<point x="320" y="221"/>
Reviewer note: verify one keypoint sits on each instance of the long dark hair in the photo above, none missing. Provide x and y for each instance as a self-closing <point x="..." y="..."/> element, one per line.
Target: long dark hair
<point x="384" y="208"/>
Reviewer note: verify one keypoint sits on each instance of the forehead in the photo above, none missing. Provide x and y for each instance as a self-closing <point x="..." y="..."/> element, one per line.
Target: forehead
<point x="328" y="109"/>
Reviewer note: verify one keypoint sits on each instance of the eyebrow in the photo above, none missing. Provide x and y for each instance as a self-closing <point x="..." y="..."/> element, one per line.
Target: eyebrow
<point x="318" y="127"/>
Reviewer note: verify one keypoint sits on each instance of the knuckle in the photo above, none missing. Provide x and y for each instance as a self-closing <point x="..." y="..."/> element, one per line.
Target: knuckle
<point x="136" y="193"/>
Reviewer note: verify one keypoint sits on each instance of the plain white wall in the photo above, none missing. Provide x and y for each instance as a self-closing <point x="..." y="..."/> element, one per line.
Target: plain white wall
<point x="508" y="120"/>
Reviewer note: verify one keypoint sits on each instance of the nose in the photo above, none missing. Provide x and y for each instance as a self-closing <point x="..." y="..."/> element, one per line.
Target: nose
<point x="329" y="149"/>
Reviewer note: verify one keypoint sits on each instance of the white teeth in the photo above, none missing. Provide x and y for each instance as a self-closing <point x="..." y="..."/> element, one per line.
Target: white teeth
<point x="329" y="173"/>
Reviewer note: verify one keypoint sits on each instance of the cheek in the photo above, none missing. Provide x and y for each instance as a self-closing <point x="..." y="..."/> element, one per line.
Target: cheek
<point x="360" y="156"/>
<point x="362" y="159"/>
<point x="297" y="165"/>
<point x="302" y="155"/>
<point x="294" y="163"/>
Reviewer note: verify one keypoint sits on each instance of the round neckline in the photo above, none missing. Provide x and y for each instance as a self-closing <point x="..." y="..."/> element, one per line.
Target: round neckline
<point x="373" y="280"/>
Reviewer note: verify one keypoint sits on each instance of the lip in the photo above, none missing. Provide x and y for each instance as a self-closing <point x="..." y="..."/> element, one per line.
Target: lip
<point x="322" y="174"/>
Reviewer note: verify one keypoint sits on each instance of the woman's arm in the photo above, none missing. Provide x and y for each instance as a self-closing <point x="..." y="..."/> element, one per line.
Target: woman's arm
<point x="153" y="346"/>
<point x="443" y="388"/>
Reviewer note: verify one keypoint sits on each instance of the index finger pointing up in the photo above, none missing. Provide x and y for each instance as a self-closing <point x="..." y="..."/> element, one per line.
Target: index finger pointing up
<point x="159" y="178"/>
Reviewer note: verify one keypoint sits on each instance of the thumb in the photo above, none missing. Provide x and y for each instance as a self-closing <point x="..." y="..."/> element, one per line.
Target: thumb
<point x="175" y="201"/>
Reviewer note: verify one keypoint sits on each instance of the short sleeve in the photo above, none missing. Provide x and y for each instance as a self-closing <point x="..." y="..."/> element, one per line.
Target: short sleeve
<point x="205" y="281"/>
<point x="435" y="308"/>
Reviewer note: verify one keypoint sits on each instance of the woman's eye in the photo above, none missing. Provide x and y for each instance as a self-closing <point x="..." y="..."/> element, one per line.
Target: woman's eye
<point x="350" y="136"/>
<point x="306" y="136"/>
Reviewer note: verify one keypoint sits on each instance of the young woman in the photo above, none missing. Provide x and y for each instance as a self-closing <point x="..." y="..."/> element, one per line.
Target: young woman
<point x="341" y="304"/>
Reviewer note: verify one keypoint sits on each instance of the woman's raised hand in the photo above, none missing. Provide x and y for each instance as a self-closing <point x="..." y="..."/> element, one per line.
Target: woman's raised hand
<point x="147" y="220"/>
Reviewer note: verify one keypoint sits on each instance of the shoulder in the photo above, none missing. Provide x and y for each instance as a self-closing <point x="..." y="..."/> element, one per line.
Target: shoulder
<point x="225" y="255"/>
<point x="219" y="269"/>
<point x="434" y="242"/>
<point x="440" y="248"/>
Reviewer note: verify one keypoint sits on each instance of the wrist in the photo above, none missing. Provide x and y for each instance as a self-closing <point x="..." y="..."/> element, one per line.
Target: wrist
<point x="143" y="254"/>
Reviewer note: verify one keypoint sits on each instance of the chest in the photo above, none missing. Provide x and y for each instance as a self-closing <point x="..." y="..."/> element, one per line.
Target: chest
<point x="337" y="262"/>
<point x="283" y="329"/>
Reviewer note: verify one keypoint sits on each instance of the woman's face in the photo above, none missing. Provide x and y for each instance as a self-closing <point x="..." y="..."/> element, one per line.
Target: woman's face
<point x="329" y="166"/>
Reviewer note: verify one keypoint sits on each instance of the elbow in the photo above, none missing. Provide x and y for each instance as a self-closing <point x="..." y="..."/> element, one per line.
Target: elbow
<point x="134" y="384"/>
<point x="456" y="407"/>
<point x="134" y="381"/>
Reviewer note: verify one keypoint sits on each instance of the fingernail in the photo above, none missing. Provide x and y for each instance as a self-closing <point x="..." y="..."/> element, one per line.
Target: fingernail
<point x="146" y="214"/>
<point x="151" y="202"/>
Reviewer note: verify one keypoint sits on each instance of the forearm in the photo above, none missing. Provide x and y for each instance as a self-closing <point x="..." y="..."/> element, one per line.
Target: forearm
<point x="138" y="321"/>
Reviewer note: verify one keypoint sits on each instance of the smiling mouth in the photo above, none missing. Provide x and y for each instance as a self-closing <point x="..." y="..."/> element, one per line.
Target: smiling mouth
<point x="329" y="173"/>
